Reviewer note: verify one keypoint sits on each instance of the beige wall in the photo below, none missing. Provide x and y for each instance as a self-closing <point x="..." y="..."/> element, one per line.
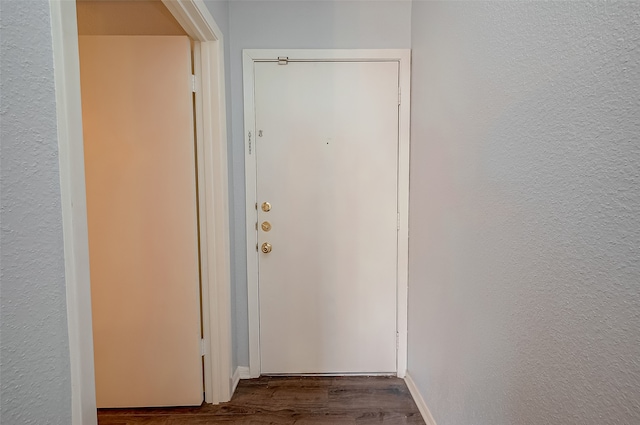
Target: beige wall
<point x="146" y="17"/>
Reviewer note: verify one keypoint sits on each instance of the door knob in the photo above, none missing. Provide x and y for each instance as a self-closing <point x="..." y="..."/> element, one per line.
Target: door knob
<point x="266" y="207"/>
<point x="266" y="247"/>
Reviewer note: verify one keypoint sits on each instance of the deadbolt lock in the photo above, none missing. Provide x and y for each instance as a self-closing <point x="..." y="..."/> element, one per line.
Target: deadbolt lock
<point x="266" y="226"/>
<point x="266" y="207"/>
<point x="266" y="247"/>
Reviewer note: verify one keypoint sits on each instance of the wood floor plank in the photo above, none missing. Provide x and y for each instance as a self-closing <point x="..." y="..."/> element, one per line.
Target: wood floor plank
<point x="132" y="420"/>
<point x="305" y="400"/>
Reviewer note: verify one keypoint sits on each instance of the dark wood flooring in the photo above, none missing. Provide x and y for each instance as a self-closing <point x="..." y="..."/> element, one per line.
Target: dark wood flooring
<point x="290" y="400"/>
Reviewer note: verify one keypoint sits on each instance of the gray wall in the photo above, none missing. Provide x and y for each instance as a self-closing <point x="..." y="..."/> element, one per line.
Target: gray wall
<point x="524" y="202"/>
<point x="34" y="356"/>
<point x="524" y="286"/>
<point x="302" y="25"/>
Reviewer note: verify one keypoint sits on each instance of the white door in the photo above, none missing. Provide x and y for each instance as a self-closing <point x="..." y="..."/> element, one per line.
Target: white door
<point x="137" y="115"/>
<point x="327" y="154"/>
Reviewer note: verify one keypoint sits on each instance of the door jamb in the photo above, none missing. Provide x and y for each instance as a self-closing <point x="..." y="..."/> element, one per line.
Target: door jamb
<point x="197" y="21"/>
<point x="403" y="57"/>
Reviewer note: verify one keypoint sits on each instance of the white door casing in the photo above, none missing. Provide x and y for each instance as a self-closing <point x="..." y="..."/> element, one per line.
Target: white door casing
<point x="372" y="255"/>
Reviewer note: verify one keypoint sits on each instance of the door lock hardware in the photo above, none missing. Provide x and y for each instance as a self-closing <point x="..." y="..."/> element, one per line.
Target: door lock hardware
<point x="266" y="207"/>
<point x="266" y="247"/>
<point x="266" y="226"/>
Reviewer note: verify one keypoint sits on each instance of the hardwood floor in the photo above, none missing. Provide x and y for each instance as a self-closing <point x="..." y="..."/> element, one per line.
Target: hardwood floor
<point x="290" y="400"/>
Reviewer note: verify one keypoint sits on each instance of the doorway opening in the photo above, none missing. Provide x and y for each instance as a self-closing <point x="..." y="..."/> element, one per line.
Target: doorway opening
<point x="198" y="23"/>
<point x="141" y="184"/>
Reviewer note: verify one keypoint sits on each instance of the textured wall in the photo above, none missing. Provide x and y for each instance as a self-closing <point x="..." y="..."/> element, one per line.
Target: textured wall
<point x="524" y="282"/>
<point x="34" y="361"/>
<point x="294" y="25"/>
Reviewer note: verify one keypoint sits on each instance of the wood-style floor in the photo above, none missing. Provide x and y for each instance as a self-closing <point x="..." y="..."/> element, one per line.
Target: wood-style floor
<point x="290" y="400"/>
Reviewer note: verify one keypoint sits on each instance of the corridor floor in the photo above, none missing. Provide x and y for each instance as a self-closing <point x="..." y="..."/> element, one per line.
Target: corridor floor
<point x="290" y="400"/>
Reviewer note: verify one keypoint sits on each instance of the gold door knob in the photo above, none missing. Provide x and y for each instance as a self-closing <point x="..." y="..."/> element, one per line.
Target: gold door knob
<point x="266" y="207"/>
<point x="266" y="226"/>
<point x="266" y="247"/>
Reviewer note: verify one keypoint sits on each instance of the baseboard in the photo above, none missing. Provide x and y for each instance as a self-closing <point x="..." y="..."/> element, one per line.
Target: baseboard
<point x="417" y="397"/>
<point x="241" y="372"/>
<point x="244" y="372"/>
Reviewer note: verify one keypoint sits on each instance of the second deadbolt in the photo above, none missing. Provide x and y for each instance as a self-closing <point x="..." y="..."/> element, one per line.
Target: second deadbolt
<point x="266" y="207"/>
<point x="266" y="247"/>
<point x="266" y="226"/>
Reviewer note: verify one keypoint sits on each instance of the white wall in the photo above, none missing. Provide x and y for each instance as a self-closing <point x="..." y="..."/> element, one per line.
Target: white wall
<point x="34" y="356"/>
<point x="524" y="282"/>
<point x="294" y="24"/>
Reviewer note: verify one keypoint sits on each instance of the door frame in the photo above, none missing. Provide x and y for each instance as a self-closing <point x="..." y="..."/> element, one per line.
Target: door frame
<point x="403" y="57"/>
<point x="211" y="147"/>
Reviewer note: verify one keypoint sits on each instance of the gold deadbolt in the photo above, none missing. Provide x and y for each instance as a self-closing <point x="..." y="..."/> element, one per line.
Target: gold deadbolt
<point x="266" y="226"/>
<point x="266" y="247"/>
<point x="266" y="207"/>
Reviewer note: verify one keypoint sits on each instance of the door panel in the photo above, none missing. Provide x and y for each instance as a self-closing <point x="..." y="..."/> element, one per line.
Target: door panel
<point x="327" y="164"/>
<point x="141" y="207"/>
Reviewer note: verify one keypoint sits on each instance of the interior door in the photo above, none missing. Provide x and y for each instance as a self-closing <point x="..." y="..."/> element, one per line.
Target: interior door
<point x="141" y="207"/>
<point x="327" y="153"/>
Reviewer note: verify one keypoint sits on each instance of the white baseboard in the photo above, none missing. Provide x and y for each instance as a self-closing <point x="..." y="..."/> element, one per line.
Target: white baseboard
<point x="417" y="397"/>
<point x="244" y="372"/>
<point x="241" y="372"/>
